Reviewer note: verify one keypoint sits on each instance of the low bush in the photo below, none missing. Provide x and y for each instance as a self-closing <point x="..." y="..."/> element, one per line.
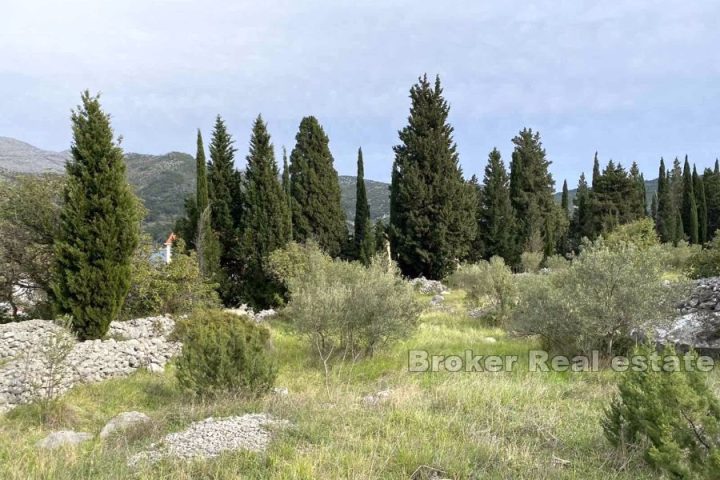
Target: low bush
<point x="345" y="308"/>
<point x="706" y="262"/>
<point x="672" y="416"/>
<point x="640" y="233"/>
<point x="556" y="263"/>
<point x="160" y="288"/>
<point x="597" y="302"/>
<point x="531" y="261"/>
<point x="487" y="282"/>
<point x="224" y="353"/>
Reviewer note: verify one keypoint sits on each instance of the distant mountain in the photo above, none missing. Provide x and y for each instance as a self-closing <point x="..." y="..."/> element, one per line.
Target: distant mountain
<point x="650" y="190"/>
<point x="164" y="181"/>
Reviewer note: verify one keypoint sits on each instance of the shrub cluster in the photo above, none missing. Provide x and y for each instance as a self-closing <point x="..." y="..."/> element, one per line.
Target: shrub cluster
<point x="706" y="262"/>
<point x="344" y="308"/>
<point x="673" y="417"/>
<point x="487" y="281"/>
<point x="597" y="302"/>
<point x="223" y="352"/>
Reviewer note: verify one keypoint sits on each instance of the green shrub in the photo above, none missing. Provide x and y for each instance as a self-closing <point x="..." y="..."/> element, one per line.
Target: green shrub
<point x="487" y="281"/>
<point x="706" y="262"/>
<point x="673" y="417"/>
<point x="223" y="352"/>
<point x="640" y="233"/>
<point x="556" y="263"/>
<point x="531" y="261"/>
<point x="345" y="308"/>
<point x="596" y="302"/>
<point x="159" y="288"/>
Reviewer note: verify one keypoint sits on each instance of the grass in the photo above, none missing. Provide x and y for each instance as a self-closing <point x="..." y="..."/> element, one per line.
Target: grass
<point x="505" y="425"/>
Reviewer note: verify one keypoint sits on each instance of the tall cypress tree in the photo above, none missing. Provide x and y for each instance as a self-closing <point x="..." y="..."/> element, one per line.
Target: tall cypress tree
<point x="496" y="214"/>
<point x="637" y="200"/>
<point x="431" y="205"/>
<point x="689" y="205"/>
<point x="226" y="207"/>
<point x="364" y="247"/>
<point x="565" y="198"/>
<point x="596" y="171"/>
<point x="699" y="189"/>
<point x="532" y="192"/>
<point x="205" y="241"/>
<point x="286" y="191"/>
<point x="711" y="184"/>
<point x="99" y="226"/>
<point x="582" y="222"/>
<point x="654" y="207"/>
<point x="201" y="185"/>
<point x="316" y="208"/>
<point x="264" y="223"/>
<point x="665" y="209"/>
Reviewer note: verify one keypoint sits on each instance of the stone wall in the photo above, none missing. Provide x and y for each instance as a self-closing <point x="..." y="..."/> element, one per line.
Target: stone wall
<point x="37" y="356"/>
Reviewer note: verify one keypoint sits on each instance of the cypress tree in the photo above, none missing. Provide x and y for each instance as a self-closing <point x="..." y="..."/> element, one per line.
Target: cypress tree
<point x="689" y="205"/>
<point x="225" y="206"/>
<point x="637" y="201"/>
<point x="205" y="241"/>
<point x="582" y="222"/>
<point x="316" y="209"/>
<point x="654" y="207"/>
<point x="264" y="223"/>
<point x="201" y="185"/>
<point x="711" y="184"/>
<point x="699" y="189"/>
<point x="496" y="215"/>
<point x="286" y="191"/>
<point x="363" y="227"/>
<point x="532" y="192"/>
<point x="431" y="205"/>
<point x="596" y="170"/>
<point x="665" y="211"/>
<point x="565" y="199"/>
<point x="99" y="226"/>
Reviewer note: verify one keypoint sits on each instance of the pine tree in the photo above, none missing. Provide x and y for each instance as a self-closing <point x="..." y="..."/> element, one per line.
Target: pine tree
<point x="316" y="208"/>
<point x="99" y="226"/>
<point x="699" y="189"/>
<point x="582" y="222"/>
<point x="532" y="192"/>
<point x="665" y="209"/>
<point x="689" y="205"/>
<point x="286" y="191"/>
<point x="637" y="202"/>
<point x="496" y="215"/>
<point x="264" y="223"/>
<point x="431" y="205"/>
<point x="363" y="226"/>
<point x="616" y="198"/>
<point x="565" y="199"/>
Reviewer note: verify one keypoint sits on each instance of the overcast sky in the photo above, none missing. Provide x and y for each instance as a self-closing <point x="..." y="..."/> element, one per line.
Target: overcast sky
<point x="633" y="79"/>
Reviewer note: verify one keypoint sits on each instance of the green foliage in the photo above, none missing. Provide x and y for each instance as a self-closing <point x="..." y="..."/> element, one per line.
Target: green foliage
<point x="673" y="416"/>
<point x="531" y="261"/>
<point x="99" y="226"/>
<point x="224" y="353"/>
<point x="615" y="199"/>
<point x="487" y="280"/>
<point x="555" y="263"/>
<point x="364" y="243"/>
<point x="666" y="225"/>
<point x="316" y="208"/>
<point x="581" y="225"/>
<point x="700" y="200"/>
<point x="29" y="223"/>
<point x="706" y="262"/>
<point x="640" y="233"/>
<point x="496" y="217"/>
<point x="596" y="302"/>
<point x="264" y="223"/>
<point x="689" y="205"/>
<point x="344" y="308"/>
<point x="159" y="288"/>
<point x="431" y="206"/>
<point x="531" y="193"/>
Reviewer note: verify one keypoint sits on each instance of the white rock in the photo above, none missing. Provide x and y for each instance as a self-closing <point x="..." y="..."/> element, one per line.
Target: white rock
<point x="63" y="438"/>
<point x="122" y="422"/>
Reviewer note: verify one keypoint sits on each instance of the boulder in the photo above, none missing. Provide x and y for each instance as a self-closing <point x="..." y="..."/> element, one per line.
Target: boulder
<point x="63" y="438"/>
<point x="122" y="422"/>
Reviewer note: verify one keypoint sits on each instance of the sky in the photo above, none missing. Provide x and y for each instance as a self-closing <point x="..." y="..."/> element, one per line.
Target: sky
<point x="634" y="80"/>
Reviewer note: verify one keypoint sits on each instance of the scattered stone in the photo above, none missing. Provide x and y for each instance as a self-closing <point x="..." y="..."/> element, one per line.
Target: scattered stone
<point x="490" y="340"/>
<point x="477" y="312"/>
<point x="425" y="286"/>
<point x="211" y="437"/>
<point x="437" y="300"/>
<point x="156" y="368"/>
<point x="376" y="398"/>
<point x="281" y="391"/>
<point x="122" y="422"/>
<point x="63" y="438"/>
<point x="263" y="315"/>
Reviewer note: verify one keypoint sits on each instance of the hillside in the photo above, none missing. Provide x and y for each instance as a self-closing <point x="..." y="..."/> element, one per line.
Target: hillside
<point x="650" y="190"/>
<point x="164" y="181"/>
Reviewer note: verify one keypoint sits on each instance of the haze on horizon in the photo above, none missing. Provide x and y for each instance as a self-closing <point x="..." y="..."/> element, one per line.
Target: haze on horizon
<point x="635" y="80"/>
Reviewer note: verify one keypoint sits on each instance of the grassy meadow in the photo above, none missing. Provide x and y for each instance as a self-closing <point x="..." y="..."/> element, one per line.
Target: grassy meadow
<point x="505" y="425"/>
